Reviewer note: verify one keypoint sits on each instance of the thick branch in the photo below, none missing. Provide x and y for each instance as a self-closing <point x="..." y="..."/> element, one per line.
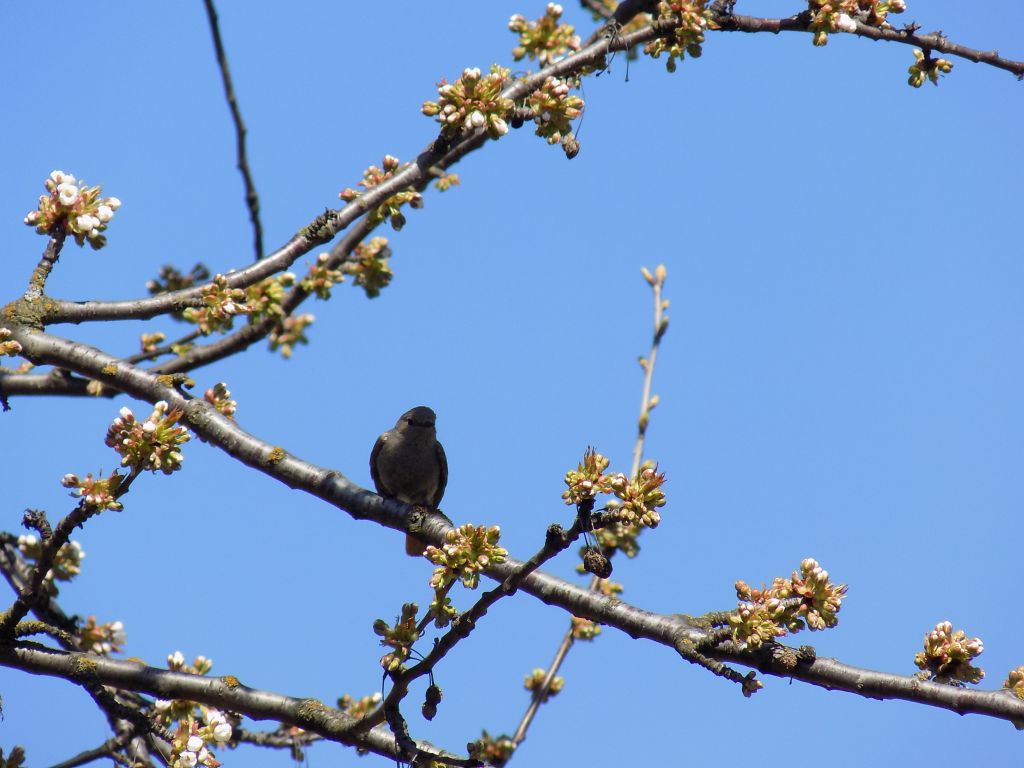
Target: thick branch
<point x="53" y="382"/>
<point x="221" y="692"/>
<point x="361" y="504"/>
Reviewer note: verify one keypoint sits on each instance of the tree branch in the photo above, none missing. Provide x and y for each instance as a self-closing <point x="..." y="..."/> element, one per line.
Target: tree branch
<point x="224" y="693"/>
<point x="252" y="200"/>
<point x="935" y="41"/>
<point x="335" y="489"/>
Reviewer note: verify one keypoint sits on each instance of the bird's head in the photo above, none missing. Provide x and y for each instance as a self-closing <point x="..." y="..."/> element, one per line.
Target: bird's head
<point x="419" y="417"/>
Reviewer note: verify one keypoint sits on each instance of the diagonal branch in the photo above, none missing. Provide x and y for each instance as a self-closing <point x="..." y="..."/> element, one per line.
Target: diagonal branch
<point x="326" y="226"/>
<point x="225" y="693"/>
<point x="556" y="540"/>
<point x="337" y="490"/>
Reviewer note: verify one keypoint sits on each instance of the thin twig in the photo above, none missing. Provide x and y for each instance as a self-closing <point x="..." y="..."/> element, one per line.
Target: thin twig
<point x="103" y="751"/>
<point x="33" y="592"/>
<point x="166" y="349"/>
<point x="540" y="694"/>
<point x="252" y="200"/>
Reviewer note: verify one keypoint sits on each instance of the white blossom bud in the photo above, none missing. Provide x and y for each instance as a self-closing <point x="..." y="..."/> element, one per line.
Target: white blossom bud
<point x="85" y="222"/>
<point x="67" y="193"/>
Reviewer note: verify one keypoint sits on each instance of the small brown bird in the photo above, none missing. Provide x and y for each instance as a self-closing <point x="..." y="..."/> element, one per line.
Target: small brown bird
<point x="408" y="464"/>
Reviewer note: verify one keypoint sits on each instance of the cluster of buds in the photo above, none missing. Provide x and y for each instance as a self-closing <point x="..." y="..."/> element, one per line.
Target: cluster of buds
<point x="170" y="710"/>
<point x="217" y="726"/>
<point x="171" y="279"/>
<point x="321" y="277"/>
<point x="805" y="600"/>
<point x="471" y="102"/>
<point x="545" y="39"/>
<point x="875" y="11"/>
<point x="370" y="268"/>
<point x="289" y="332"/>
<point x="842" y="15"/>
<point x="149" y="342"/>
<point x="821" y="600"/>
<point x="689" y="19"/>
<point x="1014" y="682"/>
<point x="359" y="707"/>
<point x="200" y="664"/>
<point x="584" y="629"/>
<point x="399" y="638"/>
<point x="220" y="305"/>
<point x="756" y="623"/>
<point x="927" y="68"/>
<point x="103" y="639"/>
<point x="8" y="347"/>
<point x="441" y="608"/>
<point x="264" y="298"/>
<point x="492" y="750"/>
<point x="220" y="398"/>
<point x="67" y="563"/>
<point x="535" y="679"/>
<point x="947" y="656"/>
<point x="553" y="109"/>
<point x="193" y="743"/>
<point x="96" y="493"/>
<point x="390" y="209"/>
<point x="587" y="480"/>
<point x="640" y="497"/>
<point x="77" y="209"/>
<point x="446" y="181"/>
<point x="467" y="552"/>
<point x="151" y="444"/>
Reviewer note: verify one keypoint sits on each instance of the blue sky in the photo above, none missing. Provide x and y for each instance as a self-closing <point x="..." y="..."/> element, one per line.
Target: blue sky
<point x="841" y="378"/>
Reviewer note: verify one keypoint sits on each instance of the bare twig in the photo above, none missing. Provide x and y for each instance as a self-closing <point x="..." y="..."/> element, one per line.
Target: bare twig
<point x="106" y="750"/>
<point x="540" y="695"/>
<point x="252" y="200"/>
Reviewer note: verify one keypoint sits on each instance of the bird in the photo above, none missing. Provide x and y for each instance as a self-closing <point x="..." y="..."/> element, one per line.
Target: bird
<point x="408" y="464"/>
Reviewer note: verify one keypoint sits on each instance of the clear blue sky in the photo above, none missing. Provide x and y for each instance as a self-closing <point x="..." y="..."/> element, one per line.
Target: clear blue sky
<point x="842" y="377"/>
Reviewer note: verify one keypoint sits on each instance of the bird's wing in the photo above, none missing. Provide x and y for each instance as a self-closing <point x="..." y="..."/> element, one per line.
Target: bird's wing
<point x="442" y="481"/>
<point x="374" y="474"/>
